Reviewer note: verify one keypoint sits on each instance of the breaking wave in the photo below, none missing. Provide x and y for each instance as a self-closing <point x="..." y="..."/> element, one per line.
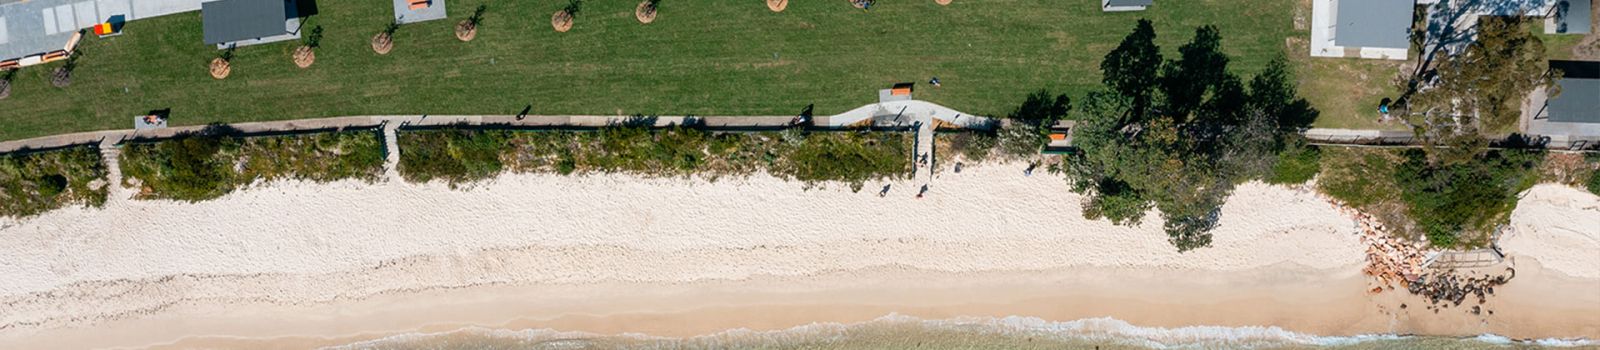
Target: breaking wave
<point x="896" y="331"/>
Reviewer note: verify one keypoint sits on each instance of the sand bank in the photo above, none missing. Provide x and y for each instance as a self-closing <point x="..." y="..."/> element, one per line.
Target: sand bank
<point x="332" y="263"/>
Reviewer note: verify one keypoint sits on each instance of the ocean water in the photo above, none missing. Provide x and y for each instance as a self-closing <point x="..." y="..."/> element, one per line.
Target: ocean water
<point x="904" y="332"/>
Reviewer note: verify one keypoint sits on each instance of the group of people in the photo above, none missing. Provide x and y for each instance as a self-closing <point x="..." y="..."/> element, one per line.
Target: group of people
<point x="863" y="4"/>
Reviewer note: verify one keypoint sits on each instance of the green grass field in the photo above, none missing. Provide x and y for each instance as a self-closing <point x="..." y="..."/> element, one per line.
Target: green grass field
<point x="718" y="57"/>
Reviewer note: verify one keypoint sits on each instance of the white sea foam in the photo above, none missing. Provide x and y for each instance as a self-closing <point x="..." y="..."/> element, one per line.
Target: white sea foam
<point x="1104" y="329"/>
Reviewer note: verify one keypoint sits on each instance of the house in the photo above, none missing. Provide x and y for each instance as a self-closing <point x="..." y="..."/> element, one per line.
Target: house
<point x="1573" y="115"/>
<point x="1379" y="29"/>
<point x="234" y="23"/>
<point x="1124" y="5"/>
<point x="1579" y="100"/>
<point x="1569" y="17"/>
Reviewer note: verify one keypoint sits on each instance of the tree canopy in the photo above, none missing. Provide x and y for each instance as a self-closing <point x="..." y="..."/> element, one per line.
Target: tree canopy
<point x="1479" y="90"/>
<point x="1176" y="135"/>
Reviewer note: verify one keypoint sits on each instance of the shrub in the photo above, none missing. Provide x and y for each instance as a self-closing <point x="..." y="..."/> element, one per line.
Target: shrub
<point x="1359" y="177"/>
<point x="1021" y="141"/>
<point x="1594" y="183"/>
<point x="1460" y="204"/>
<point x="454" y="155"/>
<point x="32" y="183"/>
<point x="641" y="150"/>
<point x="189" y="168"/>
<point x="850" y="157"/>
<point x="1296" y="165"/>
<point x="52" y="185"/>
<point x="206" y="166"/>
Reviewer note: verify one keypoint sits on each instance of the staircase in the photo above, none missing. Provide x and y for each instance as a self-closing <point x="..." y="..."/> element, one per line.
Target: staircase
<point x="391" y="149"/>
<point x="111" y="157"/>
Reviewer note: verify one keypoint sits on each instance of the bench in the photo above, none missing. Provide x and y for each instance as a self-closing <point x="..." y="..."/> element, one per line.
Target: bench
<point x="420" y="4"/>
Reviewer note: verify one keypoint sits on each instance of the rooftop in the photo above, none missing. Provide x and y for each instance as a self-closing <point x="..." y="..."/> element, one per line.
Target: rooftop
<point x="236" y="20"/>
<point x="1572" y="16"/>
<point x="1579" y="101"/>
<point x="1373" y="23"/>
<point x="1129" y="2"/>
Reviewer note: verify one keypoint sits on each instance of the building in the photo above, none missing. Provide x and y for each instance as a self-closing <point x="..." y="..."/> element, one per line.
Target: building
<point x="234" y="23"/>
<point x="1573" y="115"/>
<point x="1124" y="5"/>
<point x="1570" y="17"/>
<point x="1379" y="29"/>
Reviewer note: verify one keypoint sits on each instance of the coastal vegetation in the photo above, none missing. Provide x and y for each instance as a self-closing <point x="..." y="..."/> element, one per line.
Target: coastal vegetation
<point x="1029" y="124"/>
<point x="36" y="182"/>
<point x="1456" y="205"/>
<point x="711" y="59"/>
<point x="1177" y="135"/>
<point x="969" y="146"/>
<point x="1455" y="190"/>
<point x="460" y="156"/>
<point x="215" y="162"/>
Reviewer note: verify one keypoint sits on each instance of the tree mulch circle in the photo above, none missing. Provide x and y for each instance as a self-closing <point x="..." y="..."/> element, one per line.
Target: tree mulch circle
<point x="465" y="30"/>
<point x="777" y="5"/>
<point x="304" y="56"/>
<point x="942" y="2"/>
<point x="220" y="68"/>
<point x="382" y="43"/>
<point x="645" y="13"/>
<point x="561" y="21"/>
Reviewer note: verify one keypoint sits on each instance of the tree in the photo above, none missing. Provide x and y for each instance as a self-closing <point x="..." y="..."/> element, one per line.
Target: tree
<point x="1201" y="66"/>
<point x="1480" y="90"/>
<point x="1273" y="92"/>
<point x="1131" y="69"/>
<point x="1182" y="156"/>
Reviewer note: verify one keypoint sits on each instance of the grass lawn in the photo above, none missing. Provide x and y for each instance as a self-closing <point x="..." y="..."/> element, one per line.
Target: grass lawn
<point x="1345" y="90"/>
<point x="698" y="57"/>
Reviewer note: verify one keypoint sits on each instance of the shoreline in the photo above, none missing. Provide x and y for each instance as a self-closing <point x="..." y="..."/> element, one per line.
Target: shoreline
<point x="610" y="254"/>
<point x="1321" y="303"/>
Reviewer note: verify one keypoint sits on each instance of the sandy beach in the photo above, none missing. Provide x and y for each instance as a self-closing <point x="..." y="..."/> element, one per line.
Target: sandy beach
<point x="297" y="265"/>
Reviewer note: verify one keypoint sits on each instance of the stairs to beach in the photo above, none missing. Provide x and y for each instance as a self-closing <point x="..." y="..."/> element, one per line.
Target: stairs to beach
<point x="391" y="149"/>
<point x="111" y="158"/>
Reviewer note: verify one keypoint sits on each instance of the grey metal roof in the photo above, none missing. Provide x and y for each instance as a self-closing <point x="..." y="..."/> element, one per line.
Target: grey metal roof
<point x="1579" y="101"/>
<point x="1573" y="16"/>
<point x="1129" y="2"/>
<point x="1373" y="23"/>
<point x="234" y="20"/>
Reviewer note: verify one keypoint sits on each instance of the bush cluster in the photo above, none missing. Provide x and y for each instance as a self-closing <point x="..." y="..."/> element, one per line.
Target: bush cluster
<point x="204" y="166"/>
<point x="32" y="183"/>
<point x="465" y="155"/>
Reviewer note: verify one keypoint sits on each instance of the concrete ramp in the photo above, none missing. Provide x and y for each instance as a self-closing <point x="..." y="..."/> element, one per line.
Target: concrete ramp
<point x="906" y="113"/>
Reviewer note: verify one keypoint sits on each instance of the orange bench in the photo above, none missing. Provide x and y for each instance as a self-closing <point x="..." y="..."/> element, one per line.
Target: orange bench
<point x="420" y="4"/>
<point x="55" y="56"/>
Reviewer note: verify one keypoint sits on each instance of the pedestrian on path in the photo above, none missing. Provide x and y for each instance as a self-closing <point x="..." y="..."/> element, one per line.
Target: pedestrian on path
<point x="923" y="192"/>
<point x="884" y="192"/>
<point x="1029" y="171"/>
